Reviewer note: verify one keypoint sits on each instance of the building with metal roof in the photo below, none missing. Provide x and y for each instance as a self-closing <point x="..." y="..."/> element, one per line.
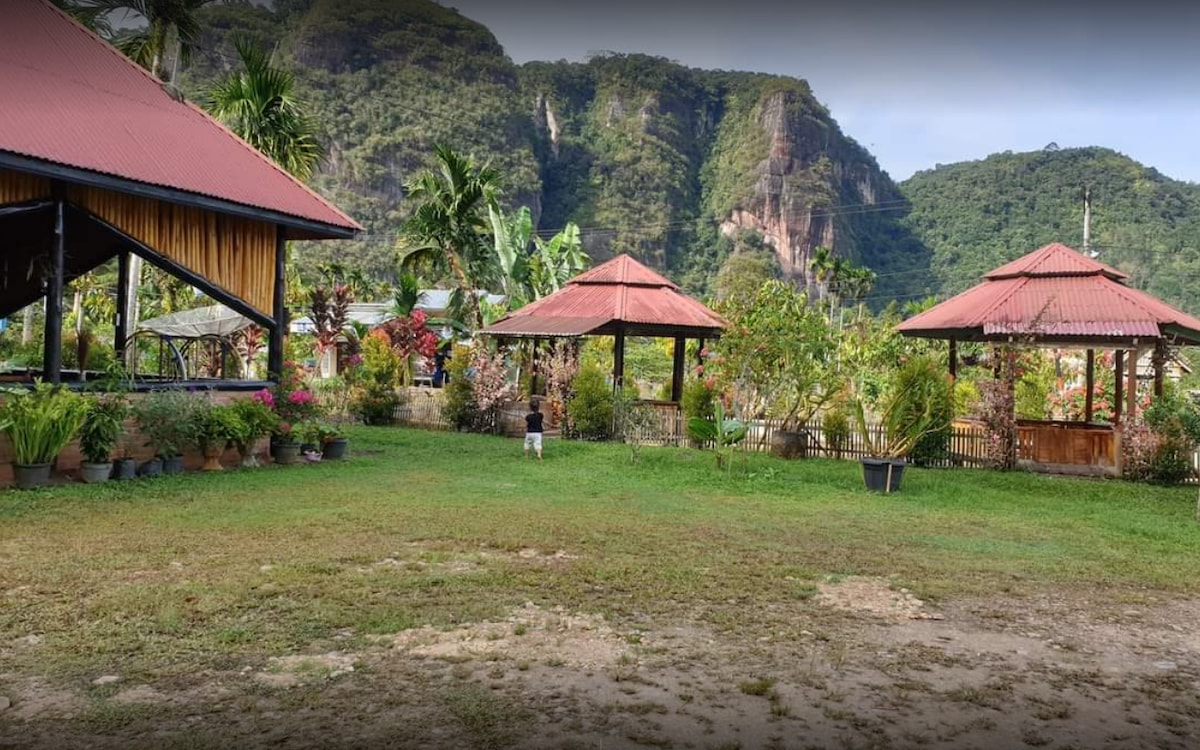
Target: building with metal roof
<point x="98" y="160"/>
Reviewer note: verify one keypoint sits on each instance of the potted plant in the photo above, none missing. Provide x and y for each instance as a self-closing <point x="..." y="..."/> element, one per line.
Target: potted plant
<point x="213" y="428"/>
<point x="252" y="420"/>
<point x="101" y="430"/>
<point x="286" y="443"/>
<point x="166" y="419"/>
<point x="919" y="403"/>
<point x="334" y="443"/>
<point x="39" y="423"/>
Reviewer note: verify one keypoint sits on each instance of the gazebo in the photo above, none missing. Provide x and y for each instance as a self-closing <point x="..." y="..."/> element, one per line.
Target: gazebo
<point x="618" y="298"/>
<point x="1058" y="297"/>
<point x="99" y="161"/>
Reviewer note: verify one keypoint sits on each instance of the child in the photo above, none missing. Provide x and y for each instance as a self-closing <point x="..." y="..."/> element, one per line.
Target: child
<point x="533" y="430"/>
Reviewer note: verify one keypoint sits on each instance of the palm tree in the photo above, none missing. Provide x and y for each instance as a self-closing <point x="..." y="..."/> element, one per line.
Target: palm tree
<point x="170" y="32"/>
<point x="820" y="264"/>
<point x="449" y="229"/>
<point x="89" y="16"/>
<point x="259" y="103"/>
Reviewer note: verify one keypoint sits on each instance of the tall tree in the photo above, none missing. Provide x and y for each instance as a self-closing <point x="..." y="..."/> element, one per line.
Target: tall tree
<point x="259" y="103"/>
<point x="171" y="30"/>
<point x="449" y="228"/>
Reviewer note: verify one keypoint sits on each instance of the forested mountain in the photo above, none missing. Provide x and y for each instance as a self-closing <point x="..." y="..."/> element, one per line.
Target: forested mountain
<point x="678" y="165"/>
<point x="669" y="163"/>
<point x="975" y="215"/>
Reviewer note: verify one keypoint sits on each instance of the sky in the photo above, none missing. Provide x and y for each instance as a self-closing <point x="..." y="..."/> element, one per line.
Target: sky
<point x="920" y="83"/>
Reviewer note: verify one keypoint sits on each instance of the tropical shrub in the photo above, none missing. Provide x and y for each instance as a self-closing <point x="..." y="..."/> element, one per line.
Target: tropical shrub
<point x="214" y="426"/>
<point x="375" y="404"/>
<point x="167" y="420"/>
<point x="590" y="410"/>
<point x="102" y="428"/>
<point x="697" y="399"/>
<point x="252" y="420"/>
<point x="835" y="425"/>
<point x="560" y="367"/>
<point x="922" y="409"/>
<point x="723" y="432"/>
<point x="40" y="422"/>
<point x="489" y="387"/>
<point x="1159" y="447"/>
<point x="459" y="407"/>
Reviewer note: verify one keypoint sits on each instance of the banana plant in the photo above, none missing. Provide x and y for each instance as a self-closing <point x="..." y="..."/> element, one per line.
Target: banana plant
<point x="722" y="432"/>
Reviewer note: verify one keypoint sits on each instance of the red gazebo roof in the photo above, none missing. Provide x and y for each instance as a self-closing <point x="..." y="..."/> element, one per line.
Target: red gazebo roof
<point x="73" y="107"/>
<point x="1054" y="293"/>
<point x="619" y="295"/>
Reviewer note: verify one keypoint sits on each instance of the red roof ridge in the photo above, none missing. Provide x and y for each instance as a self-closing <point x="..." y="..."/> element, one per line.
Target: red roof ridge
<point x="1030" y="263"/>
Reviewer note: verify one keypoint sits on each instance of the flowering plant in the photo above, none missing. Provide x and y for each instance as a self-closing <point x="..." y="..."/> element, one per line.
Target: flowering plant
<point x="283" y="431"/>
<point x="291" y="398"/>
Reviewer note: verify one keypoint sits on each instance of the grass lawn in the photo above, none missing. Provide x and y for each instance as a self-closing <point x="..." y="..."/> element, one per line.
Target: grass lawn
<point x="166" y="577"/>
<point x="170" y="568"/>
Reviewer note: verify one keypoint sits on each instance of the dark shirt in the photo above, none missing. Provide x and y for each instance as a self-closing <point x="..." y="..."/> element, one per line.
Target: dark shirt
<point x="533" y="421"/>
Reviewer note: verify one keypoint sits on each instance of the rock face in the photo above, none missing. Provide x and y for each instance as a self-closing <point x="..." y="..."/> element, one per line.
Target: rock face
<point x="671" y="164"/>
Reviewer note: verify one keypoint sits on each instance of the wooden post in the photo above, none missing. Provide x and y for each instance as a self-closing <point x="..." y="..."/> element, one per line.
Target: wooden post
<point x="1160" y="361"/>
<point x="275" y="343"/>
<point x="1131" y="385"/>
<point x="677" y="369"/>
<point x="52" y="371"/>
<point x="1090" y="380"/>
<point x="533" y="368"/>
<point x="619" y="360"/>
<point x="120" y="331"/>
<point x="953" y="359"/>
<point x="1118" y="384"/>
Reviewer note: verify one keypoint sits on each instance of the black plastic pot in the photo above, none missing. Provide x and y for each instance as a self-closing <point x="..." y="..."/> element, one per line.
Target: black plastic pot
<point x="876" y="473"/>
<point x="151" y="468"/>
<point x="172" y="465"/>
<point x="124" y="468"/>
<point x="335" y="449"/>
<point x="31" y="476"/>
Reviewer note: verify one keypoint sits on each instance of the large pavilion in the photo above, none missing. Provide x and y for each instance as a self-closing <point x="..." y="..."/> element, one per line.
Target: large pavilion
<point x="99" y="161"/>
<point x="1057" y="297"/>
<point x="618" y="298"/>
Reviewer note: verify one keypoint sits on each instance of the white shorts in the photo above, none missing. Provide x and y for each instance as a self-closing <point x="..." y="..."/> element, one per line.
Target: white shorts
<point x="533" y="440"/>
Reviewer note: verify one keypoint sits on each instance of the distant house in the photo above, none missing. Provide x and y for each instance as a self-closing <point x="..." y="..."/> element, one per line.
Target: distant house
<point x="433" y="303"/>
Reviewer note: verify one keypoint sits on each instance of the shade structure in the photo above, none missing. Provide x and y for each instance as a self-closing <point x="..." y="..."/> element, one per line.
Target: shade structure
<point x="76" y="108"/>
<point x="199" y="322"/>
<point x="99" y="160"/>
<point x="1056" y="295"/>
<point x="619" y="296"/>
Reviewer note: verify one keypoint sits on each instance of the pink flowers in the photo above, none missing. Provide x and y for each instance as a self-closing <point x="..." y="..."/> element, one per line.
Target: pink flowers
<point x="300" y="398"/>
<point x="264" y="397"/>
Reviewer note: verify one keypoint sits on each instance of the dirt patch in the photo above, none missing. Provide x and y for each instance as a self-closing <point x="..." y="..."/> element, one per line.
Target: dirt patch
<point x="305" y="669"/>
<point x="876" y="597"/>
<point x="550" y="636"/>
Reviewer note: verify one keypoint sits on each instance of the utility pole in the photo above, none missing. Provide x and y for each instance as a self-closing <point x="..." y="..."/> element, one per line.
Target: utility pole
<point x="1087" y="222"/>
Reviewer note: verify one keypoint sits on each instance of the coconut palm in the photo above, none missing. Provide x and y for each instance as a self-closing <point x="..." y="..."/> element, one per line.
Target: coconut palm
<point x="259" y="103"/>
<point x="448" y="231"/>
<point x="171" y="30"/>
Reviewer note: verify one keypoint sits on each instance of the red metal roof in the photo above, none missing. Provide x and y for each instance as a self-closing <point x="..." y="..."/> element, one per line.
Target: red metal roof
<point x="618" y="293"/>
<point x="69" y="98"/>
<point x="1053" y="292"/>
<point x="1055" y="259"/>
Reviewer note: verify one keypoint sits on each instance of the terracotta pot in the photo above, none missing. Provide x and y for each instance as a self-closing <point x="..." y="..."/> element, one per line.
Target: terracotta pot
<point x="212" y="458"/>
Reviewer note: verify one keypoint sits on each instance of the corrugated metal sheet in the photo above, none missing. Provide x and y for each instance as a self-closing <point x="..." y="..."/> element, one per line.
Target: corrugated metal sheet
<point x="597" y="298"/>
<point x="1055" y="259"/>
<point x="623" y="270"/>
<point x="1046" y="301"/>
<point x="69" y="98"/>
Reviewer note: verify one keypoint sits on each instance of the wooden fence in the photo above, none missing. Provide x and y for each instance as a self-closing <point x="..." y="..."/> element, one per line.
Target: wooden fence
<point x="967" y="447"/>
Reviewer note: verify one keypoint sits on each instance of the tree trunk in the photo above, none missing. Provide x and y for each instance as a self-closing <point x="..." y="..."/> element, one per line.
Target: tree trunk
<point x="130" y="314"/>
<point x="27" y="325"/>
